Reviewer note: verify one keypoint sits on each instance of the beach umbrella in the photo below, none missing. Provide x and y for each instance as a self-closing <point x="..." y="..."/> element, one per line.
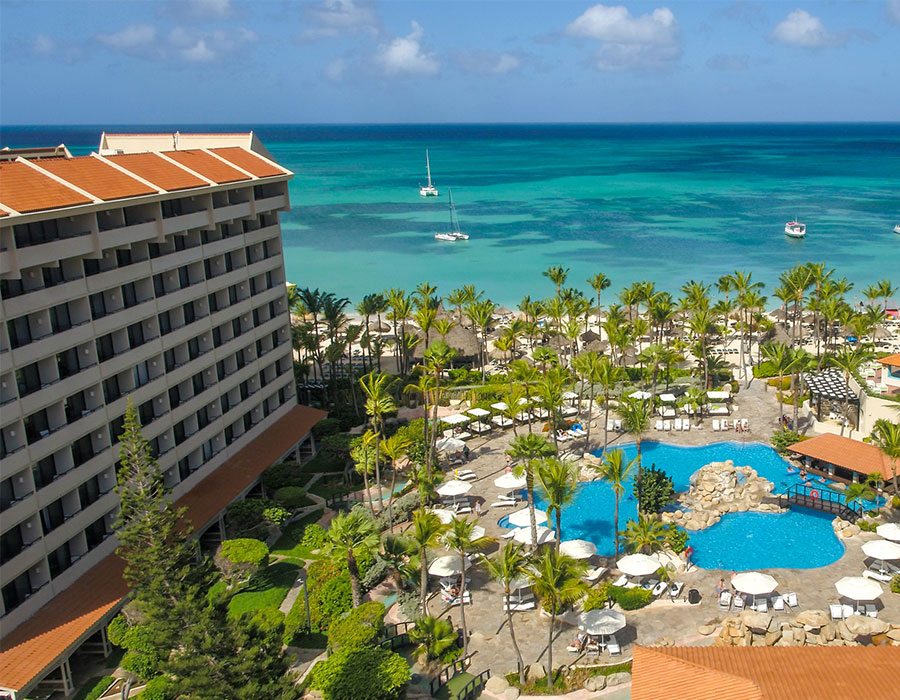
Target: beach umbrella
<point x="667" y="398"/>
<point x="521" y="518"/>
<point x="603" y="621"/>
<point x="638" y="565"/>
<point x="454" y="487"/>
<point x="449" y="565"/>
<point x="858" y="588"/>
<point x="449" y="444"/>
<point x="754" y="583"/>
<point x="455" y="419"/>
<point x="444" y="515"/>
<point x="478" y="412"/>
<point x="890" y="531"/>
<point x="522" y="401"/>
<point x="499" y="406"/>
<point x="510" y="481"/>
<point x="569" y="395"/>
<point x="882" y="550"/>
<point x="578" y="549"/>
<point x="544" y="535"/>
<point x="642" y="395"/>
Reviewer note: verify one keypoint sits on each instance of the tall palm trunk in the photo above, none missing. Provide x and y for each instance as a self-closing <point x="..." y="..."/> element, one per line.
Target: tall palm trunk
<point x="616" y="524"/>
<point x="781" y="400"/>
<point x="462" y="606"/>
<point x="366" y="481"/>
<point x="353" y="570"/>
<point x="378" y="465"/>
<point x="550" y="646"/>
<point x="423" y="579"/>
<point x="512" y="634"/>
<point x="587" y="438"/>
<point x="606" y="421"/>
<point x="529" y="487"/>
<point x="391" y="498"/>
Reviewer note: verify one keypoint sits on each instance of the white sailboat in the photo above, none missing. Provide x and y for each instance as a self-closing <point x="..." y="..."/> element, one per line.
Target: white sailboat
<point x="896" y="228"/>
<point x="454" y="234"/>
<point x="428" y="190"/>
<point x="795" y="229"/>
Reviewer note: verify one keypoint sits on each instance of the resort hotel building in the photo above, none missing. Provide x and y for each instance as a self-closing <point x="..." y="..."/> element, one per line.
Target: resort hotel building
<point x="150" y="270"/>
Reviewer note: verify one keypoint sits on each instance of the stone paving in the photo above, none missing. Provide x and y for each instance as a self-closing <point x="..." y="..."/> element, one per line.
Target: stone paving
<point x="674" y="622"/>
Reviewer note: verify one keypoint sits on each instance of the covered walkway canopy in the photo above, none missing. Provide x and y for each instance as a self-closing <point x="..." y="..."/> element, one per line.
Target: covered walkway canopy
<point x="47" y="639"/>
<point x="833" y="453"/>
<point x="830" y="385"/>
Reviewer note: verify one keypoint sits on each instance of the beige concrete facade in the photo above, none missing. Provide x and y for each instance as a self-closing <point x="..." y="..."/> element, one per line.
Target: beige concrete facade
<point x="176" y="300"/>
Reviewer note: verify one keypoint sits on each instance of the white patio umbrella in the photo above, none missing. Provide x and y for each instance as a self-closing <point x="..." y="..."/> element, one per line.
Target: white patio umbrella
<point x="499" y="406"/>
<point x="569" y="395"/>
<point x="858" y="588"/>
<point x="882" y="550"/>
<point x="455" y="419"/>
<point x="521" y="518"/>
<point x="478" y="412"/>
<point x="604" y="621"/>
<point x="454" y="487"/>
<point x="890" y="531"/>
<point x="754" y="583"/>
<point x="544" y="535"/>
<point x="642" y="395"/>
<point x="509" y="481"/>
<point x="449" y="565"/>
<point x="667" y="398"/>
<point x="444" y="515"/>
<point x="578" y="549"/>
<point x="449" y="444"/>
<point x="638" y="565"/>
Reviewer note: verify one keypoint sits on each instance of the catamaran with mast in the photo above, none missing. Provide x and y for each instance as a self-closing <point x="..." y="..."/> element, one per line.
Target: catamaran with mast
<point x="428" y="190"/>
<point x="454" y="234"/>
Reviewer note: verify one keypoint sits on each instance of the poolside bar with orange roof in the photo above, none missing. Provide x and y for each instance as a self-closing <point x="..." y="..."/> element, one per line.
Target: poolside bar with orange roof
<point x="842" y="458"/>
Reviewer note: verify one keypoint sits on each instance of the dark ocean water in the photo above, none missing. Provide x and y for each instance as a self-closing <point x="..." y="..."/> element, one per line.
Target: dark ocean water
<point x="662" y="202"/>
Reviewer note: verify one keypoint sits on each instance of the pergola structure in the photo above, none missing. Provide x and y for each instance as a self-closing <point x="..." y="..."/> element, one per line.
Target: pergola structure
<point x="830" y="385"/>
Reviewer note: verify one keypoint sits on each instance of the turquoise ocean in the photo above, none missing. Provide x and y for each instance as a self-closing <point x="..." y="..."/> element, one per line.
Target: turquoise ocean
<point x="666" y="203"/>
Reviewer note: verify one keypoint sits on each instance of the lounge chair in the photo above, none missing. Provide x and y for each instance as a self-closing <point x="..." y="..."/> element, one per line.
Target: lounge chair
<point x="619" y="426"/>
<point x="762" y="606"/>
<point x="612" y="646"/>
<point x="715" y="424"/>
<point x="675" y="590"/>
<point x="464" y="509"/>
<point x="738" y="602"/>
<point x="508" y="535"/>
<point x="847" y="611"/>
<point x="667" y="425"/>
<point x="791" y="600"/>
<point x="870" y="610"/>
<point x="503" y="504"/>
<point x="686" y="424"/>
<point x="621" y="581"/>
<point x="504" y="497"/>
<point x="659" y="588"/>
<point x="837" y="611"/>
<point x="611" y="426"/>
<point x="724" y="600"/>
<point x="450" y="602"/>
<point x="878" y="576"/>
<point x="723" y="424"/>
<point x="593" y="575"/>
<point x="778" y="603"/>
<point x="678" y="424"/>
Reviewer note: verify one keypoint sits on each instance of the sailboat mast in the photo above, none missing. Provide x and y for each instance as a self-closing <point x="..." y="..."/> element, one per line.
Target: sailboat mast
<point x="451" y="209"/>
<point x="428" y="167"/>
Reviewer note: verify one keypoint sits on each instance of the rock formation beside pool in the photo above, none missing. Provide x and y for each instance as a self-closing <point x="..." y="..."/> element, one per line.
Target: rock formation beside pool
<point x="809" y="628"/>
<point x="718" y="488"/>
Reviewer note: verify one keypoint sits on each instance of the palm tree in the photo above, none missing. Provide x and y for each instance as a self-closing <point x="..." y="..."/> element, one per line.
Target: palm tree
<point x="462" y="297"/>
<point x="425" y="316"/>
<point x="508" y="565"/>
<point x="779" y="355"/>
<point x="379" y="402"/>
<point x="425" y="386"/>
<point x="350" y="536"/>
<point x="363" y="456"/>
<point x="558" y="481"/>
<point x="394" y="448"/>
<point x="636" y="416"/>
<point x="608" y="376"/>
<point x="800" y="361"/>
<point x="544" y="356"/>
<point x="460" y="538"/>
<point x="614" y="470"/>
<point x="426" y="531"/>
<point x="599" y="282"/>
<point x="549" y="391"/>
<point x="526" y="375"/>
<point x="529" y="449"/>
<point x="588" y="367"/>
<point x="849" y="361"/>
<point x="887" y="436"/>
<point x="557" y="274"/>
<point x="701" y="325"/>
<point x="858" y="491"/>
<point x="556" y="578"/>
<point x="434" y="636"/>
<point x="653" y="356"/>
<point x="480" y="314"/>
<point x="437" y="358"/>
<point x="396" y="551"/>
<point x="312" y="301"/>
<point x="647" y="534"/>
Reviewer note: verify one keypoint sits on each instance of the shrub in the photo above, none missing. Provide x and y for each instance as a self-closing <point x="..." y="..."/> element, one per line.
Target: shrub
<point x="295" y="622"/>
<point x="159" y="688"/>
<point x="781" y="440"/>
<point x="281" y="475"/>
<point x="677" y="539"/>
<point x="654" y="490"/>
<point x="313" y="536"/>
<point x="276" y="515"/>
<point x="597" y="598"/>
<point x="866" y="525"/>
<point x="367" y="673"/>
<point x="142" y="665"/>
<point x="326" y="426"/>
<point x="375" y="574"/>
<point x="116" y="630"/>
<point x="248" y="517"/>
<point x="329" y="594"/>
<point x="408" y="603"/>
<point x="292" y="497"/>
<point x="895" y="584"/>
<point x="238" y="558"/>
<point x="631" y="598"/>
<point x="359" y="627"/>
<point x="895" y="502"/>
<point x="93" y="688"/>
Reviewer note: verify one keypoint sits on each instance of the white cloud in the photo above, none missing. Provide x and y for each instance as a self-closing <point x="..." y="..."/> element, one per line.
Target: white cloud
<point x="131" y="39"/>
<point x="334" y="18"/>
<point x="488" y="62"/>
<point x="209" y="8"/>
<point x="629" y="42"/>
<point x="893" y="11"/>
<point x="334" y="71"/>
<point x="43" y="45"/>
<point x="405" y="55"/>
<point x="802" y="29"/>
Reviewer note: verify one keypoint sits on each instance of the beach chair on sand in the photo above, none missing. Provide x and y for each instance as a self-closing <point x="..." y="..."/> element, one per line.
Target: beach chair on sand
<point x="678" y="424"/>
<point x="612" y="646"/>
<point x="837" y="612"/>
<point x="724" y="600"/>
<point x="686" y="425"/>
<point x="593" y="575"/>
<point x="659" y="588"/>
<point x="715" y="424"/>
<point x="745" y="425"/>
<point x="675" y="590"/>
<point x="621" y="581"/>
<point x="659" y="425"/>
<point x="503" y="504"/>
<point x="791" y="600"/>
<point x="738" y="602"/>
<point x="778" y="603"/>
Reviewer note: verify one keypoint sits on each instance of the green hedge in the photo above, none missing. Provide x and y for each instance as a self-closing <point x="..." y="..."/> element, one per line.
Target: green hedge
<point x="159" y="688"/>
<point x="359" y="627"/>
<point x="293" y="497"/>
<point x="293" y="542"/>
<point x="626" y="598"/>
<point x="284" y="474"/>
<point x="329" y="593"/>
<point x="367" y="673"/>
<point x="245" y="551"/>
<point x="93" y="688"/>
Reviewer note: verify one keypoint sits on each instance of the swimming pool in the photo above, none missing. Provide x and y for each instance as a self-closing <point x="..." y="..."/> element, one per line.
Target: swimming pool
<point x="799" y="539"/>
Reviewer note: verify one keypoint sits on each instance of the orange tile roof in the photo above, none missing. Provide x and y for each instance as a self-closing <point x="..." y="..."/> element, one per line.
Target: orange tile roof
<point x="247" y="161"/>
<point x="24" y="189"/>
<point x="162" y="173"/>
<point x="207" y="166"/>
<point x="95" y="176"/>
<point x="38" y="644"/>
<point x="844" y="452"/>
<point x="892" y="360"/>
<point x="765" y="673"/>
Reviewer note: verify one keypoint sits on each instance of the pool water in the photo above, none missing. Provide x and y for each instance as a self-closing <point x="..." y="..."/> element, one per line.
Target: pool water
<point x="799" y="539"/>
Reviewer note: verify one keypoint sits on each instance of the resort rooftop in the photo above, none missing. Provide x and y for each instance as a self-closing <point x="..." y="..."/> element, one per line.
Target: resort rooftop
<point x="854" y="455"/>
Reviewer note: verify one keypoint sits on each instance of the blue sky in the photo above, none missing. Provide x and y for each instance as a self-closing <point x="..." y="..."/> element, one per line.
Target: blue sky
<point x="281" y="61"/>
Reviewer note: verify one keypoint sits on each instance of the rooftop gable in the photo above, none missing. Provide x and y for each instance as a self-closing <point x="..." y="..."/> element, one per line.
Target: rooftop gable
<point x="208" y="166"/>
<point x="96" y="176"/>
<point x="24" y="188"/>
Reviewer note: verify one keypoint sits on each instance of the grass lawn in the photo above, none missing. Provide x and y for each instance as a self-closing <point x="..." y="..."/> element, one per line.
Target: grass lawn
<point x="265" y="589"/>
<point x="288" y="544"/>
<point x="454" y="686"/>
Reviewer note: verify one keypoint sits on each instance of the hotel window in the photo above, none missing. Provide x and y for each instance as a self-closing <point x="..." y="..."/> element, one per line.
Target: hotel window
<point x="28" y="379"/>
<point x="91" y="267"/>
<point x="141" y="374"/>
<point x="67" y="363"/>
<point x="146" y="413"/>
<point x="11" y="543"/>
<point x="123" y="257"/>
<point x="111" y="389"/>
<point x="171" y="207"/>
<point x="52" y="516"/>
<point x="16" y="592"/>
<point x="44" y="472"/>
<point x="89" y="491"/>
<point x="76" y="407"/>
<point x="82" y="450"/>
<point x="159" y="285"/>
<point x="135" y="335"/>
<point x="105" y="348"/>
<point x="35" y="233"/>
<point x="165" y="322"/>
<point x="60" y="559"/>
<point x="60" y="319"/>
<point x="19" y="332"/>
<point x="96" y="532"/>
<point x="36" y="426"/>
<point x="98" y="305"/>
<point x="52" y="276"/>
<point x="7" y="492"/>
<point x="170" y="360"/>
<point x="116" y="428"/>
<point x="129" y="295"/>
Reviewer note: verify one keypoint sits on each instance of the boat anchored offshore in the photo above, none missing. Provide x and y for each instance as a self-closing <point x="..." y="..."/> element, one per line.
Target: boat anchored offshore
<point x="795" y="229"/>
<point x="428" y="190"/>
<point x="896" y="228"/>
<point x="454" y="234"/>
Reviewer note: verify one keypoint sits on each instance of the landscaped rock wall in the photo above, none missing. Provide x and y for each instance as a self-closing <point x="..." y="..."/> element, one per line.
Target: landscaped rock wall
<point x="808" y="628"/>
<point x="718" y="488"/>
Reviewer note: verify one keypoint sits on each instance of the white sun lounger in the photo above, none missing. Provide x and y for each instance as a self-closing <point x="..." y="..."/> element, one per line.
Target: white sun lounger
<point x="668" y="425"/>
<point x="738" y="602"/>
<point x="619" y="426"/>
<point x="593" y="575"/>
<point x="659" y="425"/>
<point x="508" y="535"/>
<point x="675" y="590"/>
<point x="612" y="646"/>
<point x="686" y="424"/>
<point x="715" y="424"/>
<point x="621" y="581"/>
<point x="837" y="611"/>
<point x="724" y="600"/>
<point x="659" y="588"/>
<point x="745" y="425"/>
